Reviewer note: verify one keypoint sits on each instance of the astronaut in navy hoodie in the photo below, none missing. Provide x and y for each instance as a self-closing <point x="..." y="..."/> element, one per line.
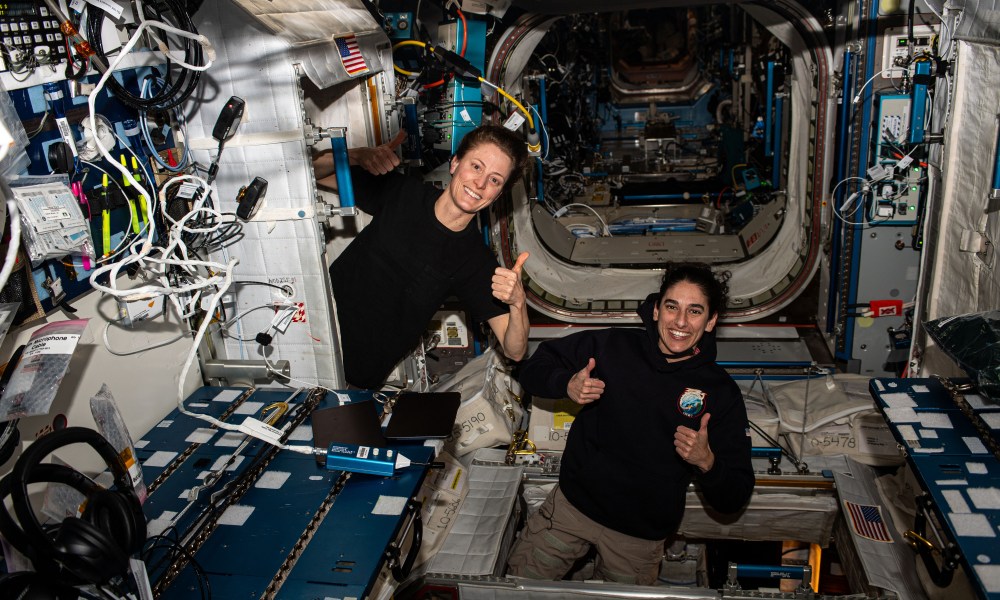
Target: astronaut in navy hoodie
<point x="658" y="412"/>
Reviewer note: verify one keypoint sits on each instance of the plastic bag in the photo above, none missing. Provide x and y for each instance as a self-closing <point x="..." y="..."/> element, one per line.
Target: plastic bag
<point x="8" y="311"/>
<point x="43" y="364"/>
<point x="111" y="425"/>
<point x="972" y="341"/>
<point x="52" y="223"/>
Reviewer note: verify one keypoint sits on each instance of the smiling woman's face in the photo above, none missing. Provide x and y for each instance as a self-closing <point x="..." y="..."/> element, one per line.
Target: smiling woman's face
<point x="682" y="318"/>
<point x="478" y="177"/>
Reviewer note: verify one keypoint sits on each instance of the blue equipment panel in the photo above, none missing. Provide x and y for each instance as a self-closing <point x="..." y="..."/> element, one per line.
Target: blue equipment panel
<point x="104" y="201"/>
<point x="346" y="521"/>
<point x="956" y="463"/>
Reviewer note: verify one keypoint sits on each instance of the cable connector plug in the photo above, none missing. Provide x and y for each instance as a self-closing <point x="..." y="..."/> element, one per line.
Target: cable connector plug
<point x="457" y="64"/>
<point x="534" y="143"/>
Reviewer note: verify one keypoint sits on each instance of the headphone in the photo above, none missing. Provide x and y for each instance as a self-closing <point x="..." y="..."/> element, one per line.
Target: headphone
<point x="92" y="548"/>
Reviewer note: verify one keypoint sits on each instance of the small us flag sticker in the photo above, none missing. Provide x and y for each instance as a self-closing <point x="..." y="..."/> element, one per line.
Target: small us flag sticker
<point x="350" y="55"/>
<point x="867" y="521"/>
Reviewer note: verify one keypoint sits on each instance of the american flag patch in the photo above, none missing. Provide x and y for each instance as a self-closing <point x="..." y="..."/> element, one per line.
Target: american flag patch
<point x="867" y="522"/>
<point x="350" y="55"/>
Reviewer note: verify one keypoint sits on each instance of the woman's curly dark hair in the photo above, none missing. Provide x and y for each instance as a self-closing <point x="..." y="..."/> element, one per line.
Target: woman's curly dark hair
<point x="714" y="285"/>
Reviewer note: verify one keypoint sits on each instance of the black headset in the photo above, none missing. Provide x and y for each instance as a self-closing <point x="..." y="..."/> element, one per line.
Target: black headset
<point x="92" y="548"/>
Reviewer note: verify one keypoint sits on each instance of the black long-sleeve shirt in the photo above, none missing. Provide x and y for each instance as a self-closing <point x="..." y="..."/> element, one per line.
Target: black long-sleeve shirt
<point x="399" y="270"/>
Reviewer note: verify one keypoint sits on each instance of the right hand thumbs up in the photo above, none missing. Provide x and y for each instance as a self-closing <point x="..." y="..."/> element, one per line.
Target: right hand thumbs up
<point x="582" y="388"/>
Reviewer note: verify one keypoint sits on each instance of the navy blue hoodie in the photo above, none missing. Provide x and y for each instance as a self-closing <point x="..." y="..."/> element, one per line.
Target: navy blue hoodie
<point x="620" y="467"/>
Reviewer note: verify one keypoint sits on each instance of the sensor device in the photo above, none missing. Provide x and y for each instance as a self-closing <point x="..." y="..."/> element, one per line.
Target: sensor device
<point x="364" y="459"/>
<point x="229" y="119"/>
<point x="249" y="198"/>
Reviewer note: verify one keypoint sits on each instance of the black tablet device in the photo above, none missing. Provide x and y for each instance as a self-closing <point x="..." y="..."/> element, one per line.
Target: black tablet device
<point x="419" y="416"/>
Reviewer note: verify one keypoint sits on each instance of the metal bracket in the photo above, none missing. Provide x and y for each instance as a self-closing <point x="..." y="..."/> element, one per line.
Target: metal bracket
<point x="917" y="538"/>
<point x="401" y="569"/>
<point x="245" y="372"/>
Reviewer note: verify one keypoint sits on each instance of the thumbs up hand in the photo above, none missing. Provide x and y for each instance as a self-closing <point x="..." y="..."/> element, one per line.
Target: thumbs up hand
<point x="582" y="388"/>
<point x="692" y="446"/>
<point x="507" y="285"/>
<point x="381" y="159"/>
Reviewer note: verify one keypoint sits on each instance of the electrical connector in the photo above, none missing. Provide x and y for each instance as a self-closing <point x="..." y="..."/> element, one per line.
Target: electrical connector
<point x="877" y="172"/>
<point x="850" y="200"/>
<point x="457" y="64"/>
<point x="534" y="143"/>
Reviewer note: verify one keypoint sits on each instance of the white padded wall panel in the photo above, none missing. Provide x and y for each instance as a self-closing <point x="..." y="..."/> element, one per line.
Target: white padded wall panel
<point x="284" y="243"/>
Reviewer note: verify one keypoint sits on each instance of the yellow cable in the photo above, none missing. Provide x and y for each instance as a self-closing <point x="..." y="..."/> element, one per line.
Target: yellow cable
<point x="732" y="172"/>
<point x="531" y="122"/>
<point x="407" y="43"/>
<point x="527" y="115"/>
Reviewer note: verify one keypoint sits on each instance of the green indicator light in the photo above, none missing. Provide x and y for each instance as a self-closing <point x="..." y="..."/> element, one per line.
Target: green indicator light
<point x="913" y="208"/>
<point x="913" y="189"/>
<point x="916" y="169"/>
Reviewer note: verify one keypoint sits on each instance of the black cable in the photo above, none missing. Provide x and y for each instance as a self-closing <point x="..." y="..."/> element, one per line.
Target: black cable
<point x="909" y="29"/>
<point x="227" y="233"/>
<point x="773" y="442"/>
<point x="173" y="548"/>
<point x="229" y="229"/>
<point x="69" y="73"/>
<point x="176" y="90"/>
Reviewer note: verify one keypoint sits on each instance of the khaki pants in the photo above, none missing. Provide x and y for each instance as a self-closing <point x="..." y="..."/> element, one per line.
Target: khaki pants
<point x="558" y="534"/>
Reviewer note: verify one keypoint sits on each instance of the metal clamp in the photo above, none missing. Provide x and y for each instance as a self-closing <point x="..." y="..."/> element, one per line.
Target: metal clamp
<point x="519" y="444"/>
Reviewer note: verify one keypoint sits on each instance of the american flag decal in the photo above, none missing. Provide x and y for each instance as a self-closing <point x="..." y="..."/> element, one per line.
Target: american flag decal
<point x="350" y="55"/>
<point x="867" y="522"/>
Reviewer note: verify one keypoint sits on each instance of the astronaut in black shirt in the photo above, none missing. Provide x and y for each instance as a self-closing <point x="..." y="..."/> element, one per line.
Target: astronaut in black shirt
<point x="421" y="247"/>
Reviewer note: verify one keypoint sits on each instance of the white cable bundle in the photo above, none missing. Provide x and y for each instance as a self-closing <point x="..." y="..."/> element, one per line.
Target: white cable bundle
<point x="142" y="253"/>
<point x="158" y="261"/>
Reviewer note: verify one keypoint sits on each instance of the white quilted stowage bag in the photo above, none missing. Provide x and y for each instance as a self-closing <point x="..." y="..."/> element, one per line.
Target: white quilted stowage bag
<point x="491" y="404"/>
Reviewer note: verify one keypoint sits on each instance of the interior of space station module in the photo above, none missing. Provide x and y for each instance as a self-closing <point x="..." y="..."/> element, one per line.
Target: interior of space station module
<point x="196" y="264"/>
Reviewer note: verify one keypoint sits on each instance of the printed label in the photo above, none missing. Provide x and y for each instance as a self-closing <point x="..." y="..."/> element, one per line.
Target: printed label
<point x="187" y="190"/>
<point x="67" y="134"/>
<point x="109" y="7"/>
<point x="55" y="213"/>
<point x="562" y="420"/>
<point x="132" y="466"/>
<point x="52" y="344"/>
<point x="514" y="121"/>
